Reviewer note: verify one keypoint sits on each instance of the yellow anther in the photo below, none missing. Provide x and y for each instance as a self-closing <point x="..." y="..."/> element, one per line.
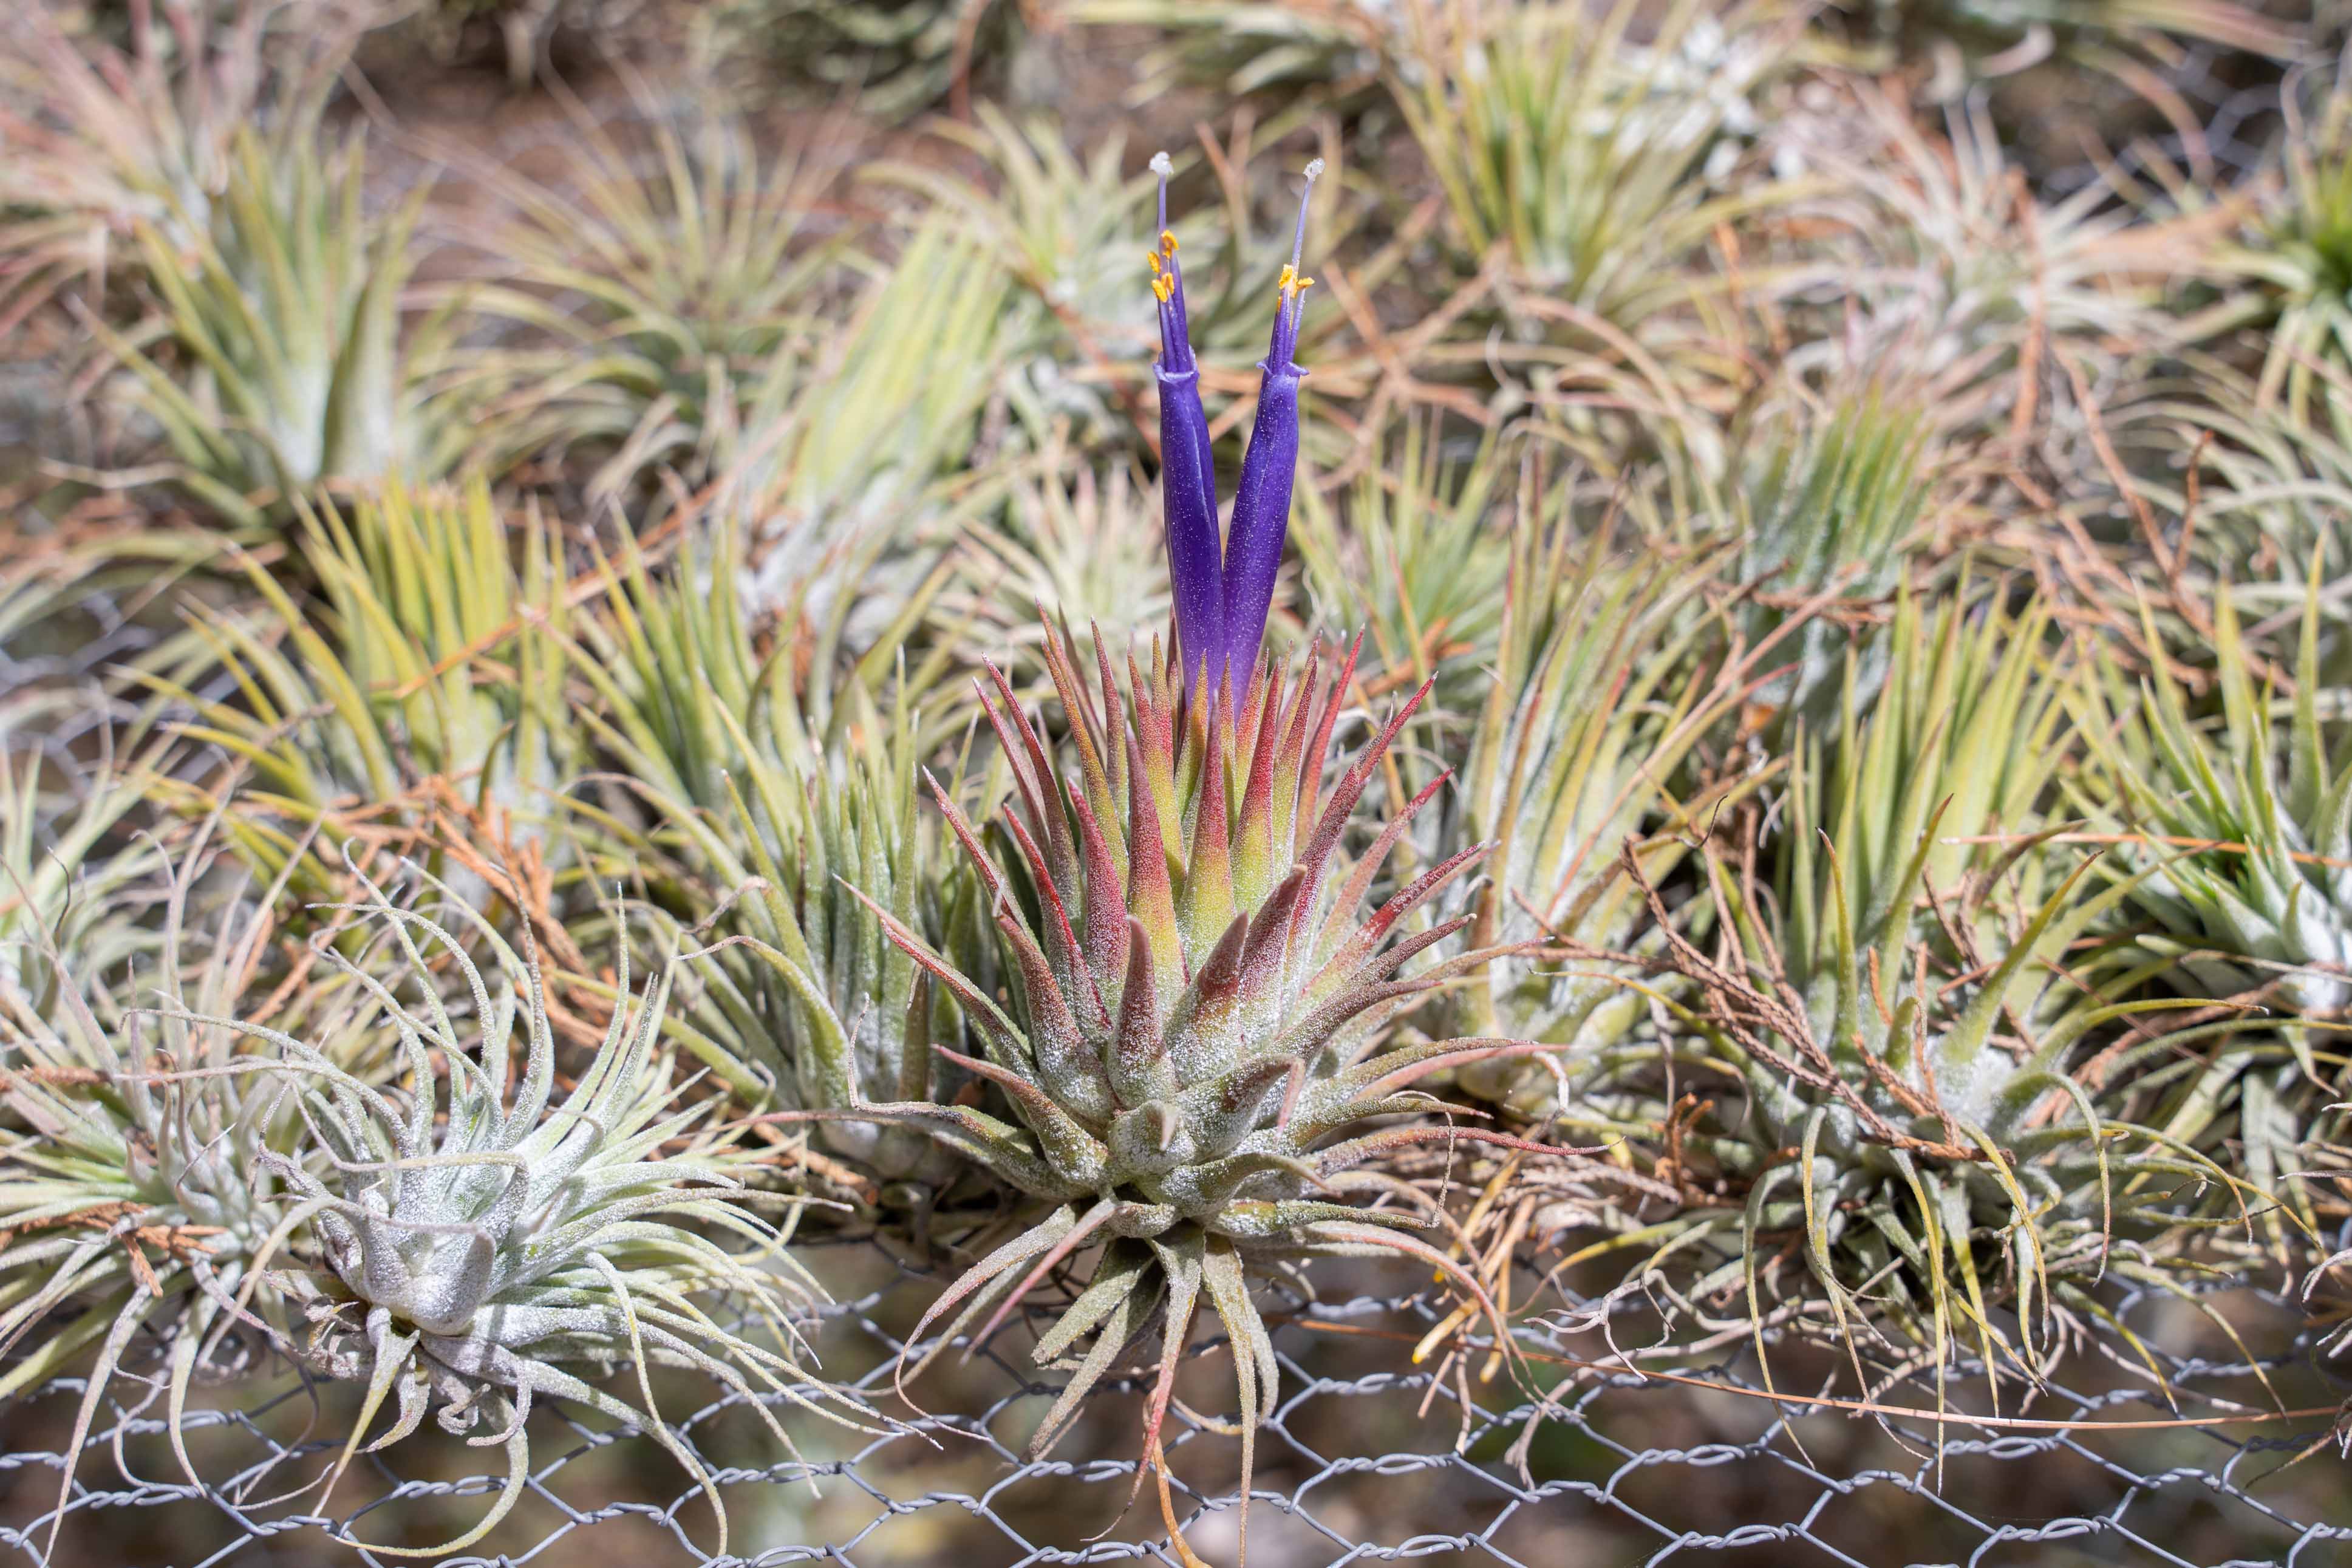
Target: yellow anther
<point x="1167" y="242"/>
<point x="1153" y="257"/>
<point x="1163" y="288"/>
<point x="1300" y="285"/>
<point x="1282" y="284"/>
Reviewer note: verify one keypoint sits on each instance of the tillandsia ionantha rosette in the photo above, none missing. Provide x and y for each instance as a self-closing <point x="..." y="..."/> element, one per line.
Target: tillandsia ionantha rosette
<point x="751" y="797"/>
<point x="2237" y="851"/>
<point x="1597" y="692"/>
<point x="132" y="1203"/>
<point x="1192" y="1030"/>
<point x="428" y="679"/>
<point x="1895" y="1005"/>
<point x="473" y="1251"/>
<point x="1196" y="994"/>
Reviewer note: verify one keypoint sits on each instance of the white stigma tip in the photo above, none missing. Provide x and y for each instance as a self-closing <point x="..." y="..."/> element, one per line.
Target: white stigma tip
<point x="1315" y="169"/>
<point x="1163" y="165"/>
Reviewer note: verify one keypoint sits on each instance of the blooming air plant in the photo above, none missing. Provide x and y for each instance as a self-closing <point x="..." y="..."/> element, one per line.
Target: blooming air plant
<point x="1197" y="995"/>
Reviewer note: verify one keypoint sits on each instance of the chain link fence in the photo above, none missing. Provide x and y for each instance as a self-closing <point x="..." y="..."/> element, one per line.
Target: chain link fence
<point x="1599" y="1453"/>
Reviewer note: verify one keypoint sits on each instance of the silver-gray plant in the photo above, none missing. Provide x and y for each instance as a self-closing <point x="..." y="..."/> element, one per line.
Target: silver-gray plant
<point x="479" y="1248"/>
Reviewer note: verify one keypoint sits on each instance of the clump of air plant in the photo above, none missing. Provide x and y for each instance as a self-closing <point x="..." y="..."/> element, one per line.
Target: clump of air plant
<point x="1409" y="552"/>
<point x="759" y="804"/>
<point x="135" y="1194"/>
<point x="1597" y="694"/>
<point x="2234" y="847"/>
<point x="144" y="135"/>
<point x="1057" y="224"/>
<point x="474" y="1250"/>
<point x="697" y="283"/>
<point x="298" y="372"/>
<point x="1900" y="1007"/>
<point x="868" y="441"/>
<point x="1971" y="42"/>
<point x="897" y="57"/>
<point x="2240" y="849"/>
<point x="1583" y="157"/>
<point x="1190" y="1027"/>
<point x="62" y="864"/>
<point x="1073" y="533"/>
<point x="2299" y="261"/>
<point x="1329" y="52"/>
<point x="1196" y="994"/>
<point x="429" y="681"/>
<point x="1935" y="258"/>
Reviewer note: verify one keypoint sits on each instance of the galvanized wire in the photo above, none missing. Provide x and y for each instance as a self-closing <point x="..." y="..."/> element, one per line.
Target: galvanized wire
<point x="1626" y="1467"/>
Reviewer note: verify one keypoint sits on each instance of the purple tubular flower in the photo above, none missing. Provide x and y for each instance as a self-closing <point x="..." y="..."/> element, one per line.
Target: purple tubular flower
<point x="1262" y="504"/>
<point x="1187" y="475"/>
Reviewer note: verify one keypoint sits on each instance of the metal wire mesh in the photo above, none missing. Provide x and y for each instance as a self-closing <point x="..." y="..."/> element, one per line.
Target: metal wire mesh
<point x="1372" y="1457"/>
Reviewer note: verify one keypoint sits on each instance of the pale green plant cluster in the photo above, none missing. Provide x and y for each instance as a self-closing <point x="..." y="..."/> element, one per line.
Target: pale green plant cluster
<point x="1812" y="698"/>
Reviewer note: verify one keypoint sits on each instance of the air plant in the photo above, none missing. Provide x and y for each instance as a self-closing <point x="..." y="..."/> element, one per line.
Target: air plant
<point x="64" y="867"/>
<point x="1194" y="1004"/>
<point x="1408" y="553"/>
<point x="1933" y="253"/>
<point x="2299" y="259"/>
<point x="297" y="371"/>
<point x="1329" y="51"/>
<point x="134" y="1198"/>
<point x="663" y="298"/>
<point x="1824" y="513"/>
<point x="2237" y="839"/>
<point x="1583" y="157"/>
<point x="476" y="1250"/>
<point x="1059" y="226"/>
<point x="1073" y="533"/>
<point x="430" y="680"/>
<point x="1902" y="1010"/>
<point x="2258" y="497"/>
<point x="2234" y="843"/>
<point x="1596" y="697"/>
<point x="896" y="56"/>
<point x="1976" y="40"/>
<point x="760" y="804"/>
<point x="1190" y="1026"/>
<point x="119" y="139"/>
<point x="870" y="440"/>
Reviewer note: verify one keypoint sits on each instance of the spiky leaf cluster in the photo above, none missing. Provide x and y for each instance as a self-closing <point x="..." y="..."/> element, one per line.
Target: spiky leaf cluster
<point x="474" y="1248"/>
<point x="1896" y="1001"/>
<point x="1595" y="698"/>
<point x="136" y="1207"/>
<point x="289" y="321"/>
<point x="431" y="678"/>
<point x="758" y="803"/>
<point x="1196" y="994"/>
<point x="2261" y="902"/>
